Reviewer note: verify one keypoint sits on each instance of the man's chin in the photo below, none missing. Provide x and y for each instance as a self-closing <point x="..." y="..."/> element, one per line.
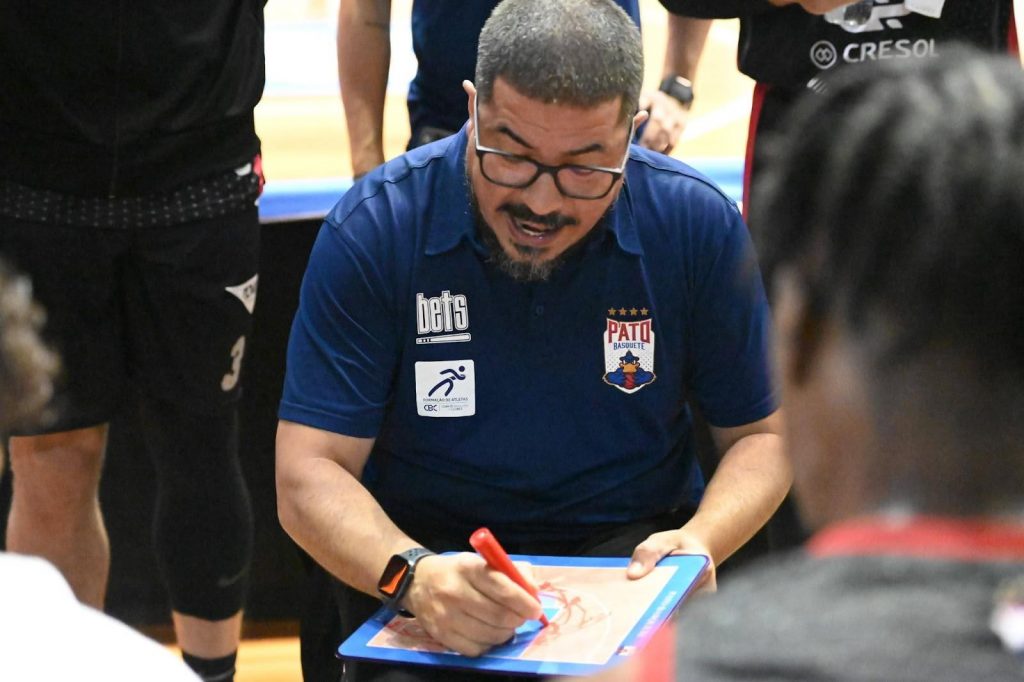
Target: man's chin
<point x="525" y="253"/>
<point x="521" y="262"/>
<point x="528" y="265"/>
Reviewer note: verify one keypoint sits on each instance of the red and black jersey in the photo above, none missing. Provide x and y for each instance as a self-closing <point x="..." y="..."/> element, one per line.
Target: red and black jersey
<point x="789" y="47"/>
<point x="785" y="49"/>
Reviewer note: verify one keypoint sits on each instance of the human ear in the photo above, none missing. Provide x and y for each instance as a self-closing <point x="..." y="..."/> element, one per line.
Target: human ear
<point x="470" y="100"/>
<point x="798" y="328"/>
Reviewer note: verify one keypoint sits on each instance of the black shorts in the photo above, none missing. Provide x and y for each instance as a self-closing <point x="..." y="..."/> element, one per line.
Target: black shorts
<point x="166" y="308"/>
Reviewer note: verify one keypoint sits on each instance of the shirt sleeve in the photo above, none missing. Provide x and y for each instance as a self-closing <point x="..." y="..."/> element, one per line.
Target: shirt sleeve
<point x="343" y="347"/>
<point x="730" y="375"/>
<point x="717" y="9"/>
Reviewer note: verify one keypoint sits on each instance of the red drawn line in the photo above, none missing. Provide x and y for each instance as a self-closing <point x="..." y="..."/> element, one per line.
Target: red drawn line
<point x="572" y="616"/>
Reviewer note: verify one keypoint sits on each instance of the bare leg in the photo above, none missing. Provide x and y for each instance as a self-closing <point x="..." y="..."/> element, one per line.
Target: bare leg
<point x="208" y="638"/>
<point x="55" y="511"/>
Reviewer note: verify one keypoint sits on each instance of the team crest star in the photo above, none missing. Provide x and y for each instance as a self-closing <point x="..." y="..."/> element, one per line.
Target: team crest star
<point x="633" y="312"/>
<point x="643" y="311"/>
<point x="611" y="311"/>
<point x="622" y="311"/>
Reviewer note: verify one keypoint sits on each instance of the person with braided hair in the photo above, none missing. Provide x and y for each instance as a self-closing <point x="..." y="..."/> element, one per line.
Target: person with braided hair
<point x="891" y="209"/>
<point x="790" y="46"/>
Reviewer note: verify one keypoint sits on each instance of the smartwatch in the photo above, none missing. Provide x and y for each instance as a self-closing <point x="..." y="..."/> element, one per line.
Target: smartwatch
<point x="397" y="577"/>
<point x="678" y="88"/>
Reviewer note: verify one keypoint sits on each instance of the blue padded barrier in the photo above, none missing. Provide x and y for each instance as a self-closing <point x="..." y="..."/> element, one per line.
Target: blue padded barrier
<point x="287" y="200"/>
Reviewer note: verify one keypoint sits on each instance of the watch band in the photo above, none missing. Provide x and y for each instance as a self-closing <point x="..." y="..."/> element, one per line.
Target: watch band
<point x="678" y="88"/>
<point x="397" y="577"/>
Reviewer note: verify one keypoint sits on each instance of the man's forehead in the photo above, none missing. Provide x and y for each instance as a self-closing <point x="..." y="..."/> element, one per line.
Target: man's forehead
<point x="511" y="109"/>
<point x="506" y="94"/>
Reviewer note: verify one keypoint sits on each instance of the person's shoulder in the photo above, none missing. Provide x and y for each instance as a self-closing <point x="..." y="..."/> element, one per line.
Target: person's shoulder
<point x="401" y="184"/>
<point x="28" y="578"/>
<point x="40" y="615"/>
<point x="118" y="652"/>
<point x="794" y="616"/>
<point x="747" y="583"/>
<point x="740" y="603"/>
<point x="677" y="207"/>
<point x="661" y="178"/>
<point x="748" y="627"/>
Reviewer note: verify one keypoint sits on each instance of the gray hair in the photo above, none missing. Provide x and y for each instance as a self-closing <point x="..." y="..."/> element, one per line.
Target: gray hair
<point x="575" y="52"/>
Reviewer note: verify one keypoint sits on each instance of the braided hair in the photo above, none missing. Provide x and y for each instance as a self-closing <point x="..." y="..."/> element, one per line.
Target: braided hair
<point x="897" y="198"/>
<point x="27" y="367"/>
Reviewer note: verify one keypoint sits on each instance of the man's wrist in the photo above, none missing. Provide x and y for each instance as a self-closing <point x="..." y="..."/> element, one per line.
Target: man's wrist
<point x="678" y="88"/>
<point x="397" y="578"/>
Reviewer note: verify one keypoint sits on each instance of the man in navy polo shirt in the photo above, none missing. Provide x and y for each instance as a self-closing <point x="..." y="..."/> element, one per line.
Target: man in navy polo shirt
<point x="500" y="329"/>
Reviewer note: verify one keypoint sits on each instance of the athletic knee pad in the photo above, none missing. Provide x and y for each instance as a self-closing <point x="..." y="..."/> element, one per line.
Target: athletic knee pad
<point x="203" y="525"/>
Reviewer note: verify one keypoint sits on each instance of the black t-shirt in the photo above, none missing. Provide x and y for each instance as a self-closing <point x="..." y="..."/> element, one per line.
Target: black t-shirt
<point x="109" y="98"/>
<point x="789" y="47"/>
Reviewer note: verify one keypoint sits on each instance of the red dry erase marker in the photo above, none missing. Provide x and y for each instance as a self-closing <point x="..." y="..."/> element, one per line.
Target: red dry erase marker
<point x="486" y="545"/>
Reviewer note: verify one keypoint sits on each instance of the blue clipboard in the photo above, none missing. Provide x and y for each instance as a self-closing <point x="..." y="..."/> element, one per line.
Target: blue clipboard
<point x="598" y="619"/>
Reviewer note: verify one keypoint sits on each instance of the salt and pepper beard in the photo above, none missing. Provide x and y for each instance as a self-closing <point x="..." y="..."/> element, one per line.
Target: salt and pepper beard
<point x="531" y="269"/>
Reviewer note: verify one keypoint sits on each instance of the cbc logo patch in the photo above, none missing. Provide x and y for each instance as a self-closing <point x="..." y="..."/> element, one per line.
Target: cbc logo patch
<point x="446" y="388"/>
<point x="824" y="54"/>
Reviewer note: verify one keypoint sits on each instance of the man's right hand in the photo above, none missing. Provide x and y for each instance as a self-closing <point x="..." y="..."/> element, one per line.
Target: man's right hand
<point x="466" y="605"/>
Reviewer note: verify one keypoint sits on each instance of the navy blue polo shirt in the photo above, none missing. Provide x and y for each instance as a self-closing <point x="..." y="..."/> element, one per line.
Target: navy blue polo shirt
<point x="544" y="409"/>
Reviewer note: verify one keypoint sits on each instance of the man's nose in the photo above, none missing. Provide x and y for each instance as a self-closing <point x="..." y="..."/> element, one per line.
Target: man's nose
<point x="543" y="196"/>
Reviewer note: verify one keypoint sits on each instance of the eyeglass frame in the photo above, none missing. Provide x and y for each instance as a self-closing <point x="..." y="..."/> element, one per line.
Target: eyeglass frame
<point x="542" y="168"/>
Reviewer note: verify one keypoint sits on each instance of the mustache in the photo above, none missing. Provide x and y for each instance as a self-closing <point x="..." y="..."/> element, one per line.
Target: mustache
<point x="551" y="221"/>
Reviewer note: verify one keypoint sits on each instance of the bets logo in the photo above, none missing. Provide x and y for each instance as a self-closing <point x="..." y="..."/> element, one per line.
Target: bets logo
<point x="445" y="318"/>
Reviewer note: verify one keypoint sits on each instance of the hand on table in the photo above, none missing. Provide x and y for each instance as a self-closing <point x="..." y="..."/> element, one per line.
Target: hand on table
<point x="680" y="541"/>
<point x="467" y="606"/>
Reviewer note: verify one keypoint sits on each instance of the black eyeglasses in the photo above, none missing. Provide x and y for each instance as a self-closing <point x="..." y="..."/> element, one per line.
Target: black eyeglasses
<point x="576" y="181"/>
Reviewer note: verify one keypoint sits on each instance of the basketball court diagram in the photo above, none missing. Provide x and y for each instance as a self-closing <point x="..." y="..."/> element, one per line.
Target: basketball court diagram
<point x="596" y="616"/>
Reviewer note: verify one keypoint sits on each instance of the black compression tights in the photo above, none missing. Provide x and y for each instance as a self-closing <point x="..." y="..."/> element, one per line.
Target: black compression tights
<point x="203" y="525"/>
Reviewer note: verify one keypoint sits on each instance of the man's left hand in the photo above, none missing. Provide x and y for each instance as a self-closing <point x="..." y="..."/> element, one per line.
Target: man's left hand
<point x="667" y="120"/>
<point x="650" y="552"/>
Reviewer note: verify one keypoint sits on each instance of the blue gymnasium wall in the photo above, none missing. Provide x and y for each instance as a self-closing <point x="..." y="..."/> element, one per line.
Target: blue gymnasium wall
<point x="290" y="200"/>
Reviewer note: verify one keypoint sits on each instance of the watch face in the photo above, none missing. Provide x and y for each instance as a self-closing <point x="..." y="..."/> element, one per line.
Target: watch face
<point x="678" y="88"/>
<point x="393" y="575"/>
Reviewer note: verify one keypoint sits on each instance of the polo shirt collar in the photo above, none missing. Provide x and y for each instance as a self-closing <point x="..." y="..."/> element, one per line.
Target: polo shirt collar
<point x="453" y="199"/>
<point x="622" y="220"/>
